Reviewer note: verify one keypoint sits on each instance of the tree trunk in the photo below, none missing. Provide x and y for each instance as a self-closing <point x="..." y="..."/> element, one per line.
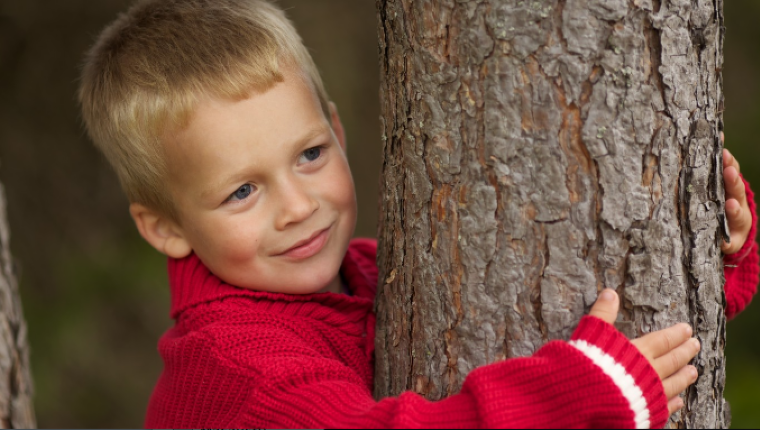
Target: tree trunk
<point x="537" y="152"/>
<point x="16" y="409"/>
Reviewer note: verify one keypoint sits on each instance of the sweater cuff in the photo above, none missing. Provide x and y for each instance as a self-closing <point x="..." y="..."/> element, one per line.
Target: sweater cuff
<point x="749" y="245"/>
<point x="631" y="372"/>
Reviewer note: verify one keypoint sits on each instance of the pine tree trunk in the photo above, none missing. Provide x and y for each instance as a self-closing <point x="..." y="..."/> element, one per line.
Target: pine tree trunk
<point x="16" y="410"/>
<point x="535" y="153"/>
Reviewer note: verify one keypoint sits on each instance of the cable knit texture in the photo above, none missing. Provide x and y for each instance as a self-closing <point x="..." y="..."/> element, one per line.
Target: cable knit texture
<point x="240" y="358"/>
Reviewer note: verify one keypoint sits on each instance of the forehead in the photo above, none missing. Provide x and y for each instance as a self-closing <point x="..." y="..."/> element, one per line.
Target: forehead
<point x="223" y="136"/>
<point x="283" y="109"/>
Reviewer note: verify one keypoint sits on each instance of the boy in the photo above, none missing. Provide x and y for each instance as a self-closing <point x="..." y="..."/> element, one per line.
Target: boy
<point x="216" y="121"/>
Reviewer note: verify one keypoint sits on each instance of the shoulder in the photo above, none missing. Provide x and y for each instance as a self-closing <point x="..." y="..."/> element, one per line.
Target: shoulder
<point x="238" y="330"/>
<point x="249" y="345"/>
<point x="272" y="350"/>
<point x="211" y="373"/>
<point x="198" y="386"/>
<point x="260" y="329"/>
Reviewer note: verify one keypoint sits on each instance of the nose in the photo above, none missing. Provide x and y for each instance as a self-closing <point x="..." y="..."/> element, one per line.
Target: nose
<point x="296" y="204"/>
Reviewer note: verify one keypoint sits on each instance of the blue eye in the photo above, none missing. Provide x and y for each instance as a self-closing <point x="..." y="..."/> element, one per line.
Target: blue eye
<point x="242" y="192"/>
<point x="312" y="154"/>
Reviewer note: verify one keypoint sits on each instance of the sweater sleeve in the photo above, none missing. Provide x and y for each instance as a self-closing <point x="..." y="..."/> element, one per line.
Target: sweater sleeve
<point x="742" y="269"/>
<point x="597" y="380"/>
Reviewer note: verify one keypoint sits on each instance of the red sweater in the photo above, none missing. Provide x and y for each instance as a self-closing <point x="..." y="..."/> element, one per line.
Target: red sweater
<point x="238" y="358"/>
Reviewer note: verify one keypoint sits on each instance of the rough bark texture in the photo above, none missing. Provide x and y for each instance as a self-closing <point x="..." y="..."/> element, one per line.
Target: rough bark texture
<point x="16" y="410"/>
<point x="535" y="153"/>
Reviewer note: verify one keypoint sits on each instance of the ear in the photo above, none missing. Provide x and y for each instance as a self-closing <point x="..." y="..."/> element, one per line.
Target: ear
<point x="159" y="231"/>
<point x="337" y="126"/>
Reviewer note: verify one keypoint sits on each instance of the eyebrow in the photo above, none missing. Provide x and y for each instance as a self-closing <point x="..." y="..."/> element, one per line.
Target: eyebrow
<point x="311" y="135"/>
<point x="301" y="141"/>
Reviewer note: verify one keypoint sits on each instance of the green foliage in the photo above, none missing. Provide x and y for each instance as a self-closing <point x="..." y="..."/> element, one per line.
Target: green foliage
<point x="94" y="344"/>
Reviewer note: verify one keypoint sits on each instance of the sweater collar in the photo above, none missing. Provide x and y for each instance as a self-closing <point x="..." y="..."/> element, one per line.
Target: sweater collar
<point x="192" y="283"/>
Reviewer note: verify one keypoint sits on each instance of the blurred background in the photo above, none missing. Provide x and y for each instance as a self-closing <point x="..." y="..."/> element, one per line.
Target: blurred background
<point x="96" y="296"/>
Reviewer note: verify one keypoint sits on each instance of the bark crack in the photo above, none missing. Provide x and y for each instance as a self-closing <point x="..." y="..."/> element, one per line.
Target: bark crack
<point x="654" y="37"/>
<point x="692" y="296"/>
<point x="559" y="10"/>
<point x="537" y="295"/>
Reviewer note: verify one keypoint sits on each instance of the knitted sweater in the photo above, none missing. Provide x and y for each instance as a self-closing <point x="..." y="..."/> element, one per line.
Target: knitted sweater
<point x="240" y="358"/>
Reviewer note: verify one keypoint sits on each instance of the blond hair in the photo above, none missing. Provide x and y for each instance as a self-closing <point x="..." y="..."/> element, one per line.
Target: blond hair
<point x="149" y="68"/>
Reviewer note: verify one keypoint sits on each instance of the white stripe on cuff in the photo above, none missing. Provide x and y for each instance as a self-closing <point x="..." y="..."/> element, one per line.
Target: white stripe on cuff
<point x="621" y="378"/>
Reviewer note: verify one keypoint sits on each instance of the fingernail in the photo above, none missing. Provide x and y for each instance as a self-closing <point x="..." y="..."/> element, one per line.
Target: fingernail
<point x="696" y="344"/>
<point x="607" y="295"/>
<point x="679" y="403"/>
<point x="689" y="330"/>
<point x="693" y="372"/>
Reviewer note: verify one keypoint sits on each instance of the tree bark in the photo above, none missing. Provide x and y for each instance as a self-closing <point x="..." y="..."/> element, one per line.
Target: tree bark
<point x="537" y="152"/>
<point x="16" y="410"/>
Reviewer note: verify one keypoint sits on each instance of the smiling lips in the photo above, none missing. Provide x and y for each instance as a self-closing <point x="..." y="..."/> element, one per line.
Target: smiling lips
<point x="309" y="247"/>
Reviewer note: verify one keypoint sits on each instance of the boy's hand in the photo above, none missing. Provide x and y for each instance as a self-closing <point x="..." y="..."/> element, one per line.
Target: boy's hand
<point x="737" y="210"/>
<point x="668" y="351"/>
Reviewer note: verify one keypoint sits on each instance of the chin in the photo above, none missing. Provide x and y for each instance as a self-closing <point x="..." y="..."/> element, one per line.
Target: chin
<point x="309" y="282"/>
<point x="318" y="284"/>
<point x="302" y="289"/>
<point x="317" y="281"/>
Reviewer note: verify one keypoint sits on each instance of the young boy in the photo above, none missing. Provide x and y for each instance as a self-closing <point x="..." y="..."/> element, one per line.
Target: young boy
<point x="216" y="121"/>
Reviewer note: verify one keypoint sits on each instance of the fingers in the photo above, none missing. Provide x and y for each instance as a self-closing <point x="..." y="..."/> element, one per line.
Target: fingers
<point x="732" y="179"/>
<point x="674" y="405"/>
<point x="734" y="185"/>
<point x="730" y="161"/>
<point x="677" y="383"/>
<point x="737" y="210"/>
<point x="739" y="224"/>
<point x="675" y="360"/>
<point x="655" y="345"/>
<point x="738" y="214"/>
<point x="669" y="352"/>
<point x="606" y="307"/>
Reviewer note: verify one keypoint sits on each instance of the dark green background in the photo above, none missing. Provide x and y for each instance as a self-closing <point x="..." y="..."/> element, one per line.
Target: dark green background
<point x="95" y="295"/>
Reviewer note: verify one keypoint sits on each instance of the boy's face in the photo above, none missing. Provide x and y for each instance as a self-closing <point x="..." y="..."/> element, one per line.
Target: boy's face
<point x="263" y="190"/>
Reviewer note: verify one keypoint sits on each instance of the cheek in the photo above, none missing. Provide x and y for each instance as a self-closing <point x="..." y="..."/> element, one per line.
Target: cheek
<point x="230" y="241"/>
<point x="341" y="187"/>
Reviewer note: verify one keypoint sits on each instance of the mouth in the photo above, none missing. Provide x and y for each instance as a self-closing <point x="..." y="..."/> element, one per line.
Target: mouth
<point x="308" y="247"/>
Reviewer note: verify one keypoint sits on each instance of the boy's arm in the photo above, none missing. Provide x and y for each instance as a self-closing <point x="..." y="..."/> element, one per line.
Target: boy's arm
<point x="598" y="380"/>
<point x="742" y="269"/>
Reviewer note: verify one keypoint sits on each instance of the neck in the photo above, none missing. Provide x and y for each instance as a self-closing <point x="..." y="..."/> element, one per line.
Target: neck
<point x="335" y="286"/>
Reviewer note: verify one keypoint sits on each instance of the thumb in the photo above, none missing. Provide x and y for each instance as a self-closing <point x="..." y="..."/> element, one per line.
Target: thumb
<point x="606" y="306"/>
